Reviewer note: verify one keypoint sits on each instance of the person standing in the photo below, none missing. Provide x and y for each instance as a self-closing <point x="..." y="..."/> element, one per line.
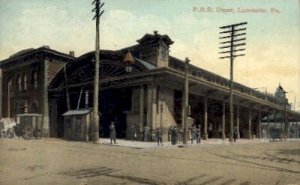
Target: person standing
<point x="198" y="133"/>
<point x="235" y="133"/>
<point x="158" y="135"/>
<point x="193" y="134"/>
<point x="170" y="133"/>
<point x="1" y="127"/>
<point x="174" y="135"/>
<point x="132" y="132"/>
<point x="146" y="133"/>
<point x="219" y="131"/>
<point x="112" y="131"/>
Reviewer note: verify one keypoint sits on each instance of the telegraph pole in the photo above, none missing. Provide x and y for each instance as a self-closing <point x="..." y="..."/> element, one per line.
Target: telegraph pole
<point x="286" y="132"/>
<point x="186" y="100"/>
<point x="96" y="119"/>
<point x="1" y="94"/>
<point x="286" y="126"/>
<point x="234" y="38"/>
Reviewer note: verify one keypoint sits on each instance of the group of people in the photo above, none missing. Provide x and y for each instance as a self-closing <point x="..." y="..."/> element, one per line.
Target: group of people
<point x="196" y="134"/>
<point x="133" y="134"/>
<point x="113" y="133"/>
<point x="173" y="134"/>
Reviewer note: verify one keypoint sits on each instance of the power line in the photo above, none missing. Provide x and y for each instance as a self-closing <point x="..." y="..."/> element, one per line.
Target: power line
<point x="233" y="41"/>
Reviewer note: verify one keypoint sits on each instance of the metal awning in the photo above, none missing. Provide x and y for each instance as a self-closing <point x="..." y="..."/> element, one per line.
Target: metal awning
<point x="76" y="112"/>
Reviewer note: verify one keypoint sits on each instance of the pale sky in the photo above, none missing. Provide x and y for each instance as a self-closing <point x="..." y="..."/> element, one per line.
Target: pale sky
<point x="273" y="37"/>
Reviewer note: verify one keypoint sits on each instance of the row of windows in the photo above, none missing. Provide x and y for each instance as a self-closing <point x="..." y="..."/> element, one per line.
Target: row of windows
<point x="22" y="82"/>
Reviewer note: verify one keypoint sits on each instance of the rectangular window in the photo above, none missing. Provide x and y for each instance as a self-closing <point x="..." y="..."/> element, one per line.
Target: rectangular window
<point x="19" y="83"/>
<point x="25" y="82"/>
<point x="34" y="79"/>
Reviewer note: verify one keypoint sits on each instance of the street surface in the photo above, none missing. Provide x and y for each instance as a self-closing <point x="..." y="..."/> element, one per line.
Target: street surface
<point x="55" y="161"/>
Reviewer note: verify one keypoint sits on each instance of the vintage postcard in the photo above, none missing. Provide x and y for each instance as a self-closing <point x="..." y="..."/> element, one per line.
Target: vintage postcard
<point x="167" y="92"/>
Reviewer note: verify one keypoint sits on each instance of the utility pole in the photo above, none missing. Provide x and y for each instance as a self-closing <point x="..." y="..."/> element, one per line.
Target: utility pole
<point x="286" y="121"/>
<point x="186" y="100"/>
<point x="1" y="95"/>
<point x="285" y="127"/>
<point x="161" y="115"/>
<point x="234" y="38"/>
<point x="67" y="88"/>
<point x="96" y="119"/>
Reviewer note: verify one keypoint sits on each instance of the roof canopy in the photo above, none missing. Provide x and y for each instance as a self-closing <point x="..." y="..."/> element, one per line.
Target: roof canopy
<point x="77" y="112"/>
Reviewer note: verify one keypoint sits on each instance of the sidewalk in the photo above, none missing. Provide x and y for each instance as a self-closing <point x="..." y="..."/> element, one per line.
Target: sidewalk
<point x="148" y="145"/>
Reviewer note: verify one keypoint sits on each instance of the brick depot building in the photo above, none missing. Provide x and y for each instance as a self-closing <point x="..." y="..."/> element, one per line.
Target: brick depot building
<point x="49" y="82"/>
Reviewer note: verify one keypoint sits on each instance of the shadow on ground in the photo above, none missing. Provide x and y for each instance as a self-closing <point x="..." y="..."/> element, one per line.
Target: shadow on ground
<point x="244" y="159"/>
<point x="201" y="179"/>
<point x="289" y="152"/>
<point x="104" y="171"/>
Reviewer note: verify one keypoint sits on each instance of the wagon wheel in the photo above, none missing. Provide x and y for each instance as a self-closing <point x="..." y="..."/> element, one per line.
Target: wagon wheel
<point x="27" y="132"/>
<point x="38" y="134"/>
<point x="10" y="133"/>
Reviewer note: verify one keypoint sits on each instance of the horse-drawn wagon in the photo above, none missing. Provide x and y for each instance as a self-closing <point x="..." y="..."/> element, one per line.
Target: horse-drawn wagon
<point x="7" y="127"/>
<point x="25" y="125"/>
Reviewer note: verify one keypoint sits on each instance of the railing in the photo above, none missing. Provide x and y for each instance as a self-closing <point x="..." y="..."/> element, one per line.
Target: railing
<point x="221" y="81"/>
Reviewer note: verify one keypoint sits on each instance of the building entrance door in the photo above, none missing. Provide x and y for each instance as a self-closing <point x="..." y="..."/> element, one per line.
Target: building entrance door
<point x="114" y="103"/>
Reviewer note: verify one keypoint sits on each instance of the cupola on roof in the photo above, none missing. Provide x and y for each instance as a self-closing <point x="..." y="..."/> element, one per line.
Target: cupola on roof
<point x="155" y="37"/>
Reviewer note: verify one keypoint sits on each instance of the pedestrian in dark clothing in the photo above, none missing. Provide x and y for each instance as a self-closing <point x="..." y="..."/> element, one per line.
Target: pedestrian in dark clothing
<point x="235" y="133"/>
<point x="174" y="135"/>
<point x="112" y="131"/>
<point x="198" y="133"/>
<point x="158" y="135"/>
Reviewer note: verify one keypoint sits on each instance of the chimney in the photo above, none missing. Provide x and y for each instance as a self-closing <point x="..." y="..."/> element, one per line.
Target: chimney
<point x="155" y="32"/>
<point x="72" y="53"/>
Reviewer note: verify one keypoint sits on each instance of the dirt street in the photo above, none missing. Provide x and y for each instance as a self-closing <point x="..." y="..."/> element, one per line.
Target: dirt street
<point x="54" y="161"/>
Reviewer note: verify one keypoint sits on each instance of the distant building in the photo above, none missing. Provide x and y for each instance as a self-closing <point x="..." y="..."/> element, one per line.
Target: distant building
<point x="279" y="119"/>
<point x="26" y="76"/>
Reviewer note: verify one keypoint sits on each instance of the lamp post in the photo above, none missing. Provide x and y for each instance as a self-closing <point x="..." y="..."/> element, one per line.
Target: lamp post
<point x="284" y="117"/>
<point x="186" y="99"/>
<point x="286" y="123"/>
<point x="128" y="60"/>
